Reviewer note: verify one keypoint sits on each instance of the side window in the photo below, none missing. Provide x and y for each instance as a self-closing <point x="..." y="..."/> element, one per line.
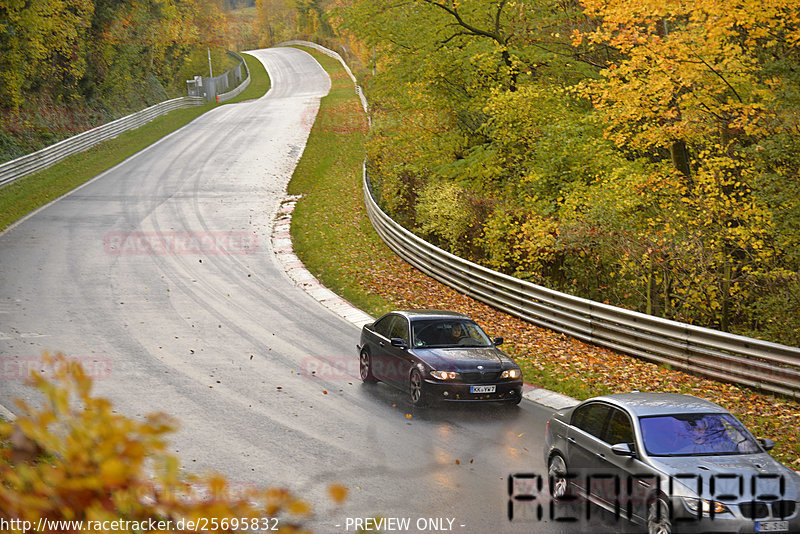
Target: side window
<point x="592" y="418"/>
<point x="619" y="428"/>
<point x="400" y="329"/>
<point x="384" y="325"/>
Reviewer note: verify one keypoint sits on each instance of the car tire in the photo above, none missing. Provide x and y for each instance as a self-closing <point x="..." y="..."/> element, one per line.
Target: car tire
<point x="557" y="479"/>
<point x="659" y="517"/>
<point x="365" y="366"/>
<point x="416" y="387"/>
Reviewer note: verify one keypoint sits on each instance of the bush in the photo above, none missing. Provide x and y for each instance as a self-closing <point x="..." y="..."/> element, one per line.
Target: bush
<point x="74" y="459"/>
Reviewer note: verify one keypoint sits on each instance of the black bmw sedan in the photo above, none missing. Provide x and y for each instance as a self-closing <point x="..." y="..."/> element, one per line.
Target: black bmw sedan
<point x="437" y="356"/>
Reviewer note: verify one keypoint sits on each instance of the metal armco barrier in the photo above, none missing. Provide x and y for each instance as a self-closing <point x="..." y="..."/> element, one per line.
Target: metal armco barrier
<point x="216" y="88"/>
<point x="237" y="73"/>
<point x="702" y="351"/>
<point x="335" y="55"/>
<point x="41" y="159"/>
<point x="718" y="355"/>
<point x="50" y="155"/>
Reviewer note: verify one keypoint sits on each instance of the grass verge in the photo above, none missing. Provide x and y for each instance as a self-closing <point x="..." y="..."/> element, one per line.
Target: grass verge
<point x="19" y="198"/>
<point x="333" y="237"/>
<point x="324" y="223"/>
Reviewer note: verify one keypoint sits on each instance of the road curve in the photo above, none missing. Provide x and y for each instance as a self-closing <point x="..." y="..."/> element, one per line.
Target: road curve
<point x="159" y="276"/>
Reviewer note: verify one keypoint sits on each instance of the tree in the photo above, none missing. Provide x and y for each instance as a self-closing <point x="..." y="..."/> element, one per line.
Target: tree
<point x="76" y="459"/>
<point x="639" y="152"/>
<point x="42" y="43"/>
<point x="704" y="83"/>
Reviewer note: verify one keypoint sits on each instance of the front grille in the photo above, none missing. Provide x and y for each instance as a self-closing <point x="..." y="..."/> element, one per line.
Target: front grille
<point x="754" y="510"/>
<point x="760" y="510"/>
<point x="782" y="509"/>
<point x="474" y="377"/>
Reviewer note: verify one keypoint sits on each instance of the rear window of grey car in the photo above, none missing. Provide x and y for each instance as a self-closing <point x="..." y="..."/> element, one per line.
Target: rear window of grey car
<point x="591" y="418"/>
<point x="696" y="434"/>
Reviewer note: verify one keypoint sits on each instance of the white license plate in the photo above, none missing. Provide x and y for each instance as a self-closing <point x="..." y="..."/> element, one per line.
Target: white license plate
<point x="772" y="526"/>
<point x="482" y="389"/>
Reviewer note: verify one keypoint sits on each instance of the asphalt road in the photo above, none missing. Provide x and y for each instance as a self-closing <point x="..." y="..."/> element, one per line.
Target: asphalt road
<point x="158" y="275"/>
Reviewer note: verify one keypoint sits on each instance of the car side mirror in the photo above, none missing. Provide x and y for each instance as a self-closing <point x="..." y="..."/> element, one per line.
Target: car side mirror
<point x="767" y="443"/>
<point x="397" y="342"/>
<point x="497" y="341"/>
<point x="622" y="449"/>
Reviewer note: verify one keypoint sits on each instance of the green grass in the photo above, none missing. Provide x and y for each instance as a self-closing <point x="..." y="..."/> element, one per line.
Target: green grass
<point x="25" y="195"/>
<point x="259" y="80"/>
<point x="331" y="238"/>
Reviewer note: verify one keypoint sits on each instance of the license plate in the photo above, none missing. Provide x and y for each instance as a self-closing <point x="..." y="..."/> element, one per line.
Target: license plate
<point x="482" y="389"/>
<point x="772" y="526"/>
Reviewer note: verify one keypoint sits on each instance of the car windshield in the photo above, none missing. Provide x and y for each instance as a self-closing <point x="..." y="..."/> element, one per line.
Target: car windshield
<point x="696" y="434"/>
<point x="448" y="333"/>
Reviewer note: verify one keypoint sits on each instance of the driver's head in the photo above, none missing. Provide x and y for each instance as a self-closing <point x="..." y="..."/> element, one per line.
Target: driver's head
<point x="456" y="330"/>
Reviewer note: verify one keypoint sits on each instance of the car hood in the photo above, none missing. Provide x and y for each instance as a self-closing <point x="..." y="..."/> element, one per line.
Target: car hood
<point x="458" y="358"/>
<point x="724" y="469"/>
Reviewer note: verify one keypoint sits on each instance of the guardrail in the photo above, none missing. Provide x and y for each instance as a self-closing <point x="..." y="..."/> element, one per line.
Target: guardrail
<point x="209" y="87"/>
<point x="50" y="155"/>
<point x="727" y="357"/>
<point x="335" y="55"/>
<point x="224" y="97"/>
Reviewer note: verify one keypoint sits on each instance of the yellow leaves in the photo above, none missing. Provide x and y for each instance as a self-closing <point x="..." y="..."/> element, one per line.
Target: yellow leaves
<point x="697" y="65"/>
<point x="75" y="459"/>
<point x="113" y="472"/>
<point x="338" y="493"/>
<point x="298" y="507"/>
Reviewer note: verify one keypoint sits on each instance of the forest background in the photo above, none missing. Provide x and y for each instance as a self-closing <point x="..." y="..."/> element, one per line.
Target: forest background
<point x="643" y="153"/>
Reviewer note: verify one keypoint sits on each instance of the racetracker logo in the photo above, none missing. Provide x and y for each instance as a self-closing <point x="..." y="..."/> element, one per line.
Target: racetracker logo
<point x="19" y="368"/>
<point x="174" y="243"/>
<point x="338" y="368"/>
<point x="348" y="368"/>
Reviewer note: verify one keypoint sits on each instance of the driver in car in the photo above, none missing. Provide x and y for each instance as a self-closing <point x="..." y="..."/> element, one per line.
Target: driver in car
<point x="459" y="335"/>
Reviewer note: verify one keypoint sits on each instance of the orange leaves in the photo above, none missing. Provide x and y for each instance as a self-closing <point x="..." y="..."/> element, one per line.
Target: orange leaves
<point x="74" y="459"/>
<point x="704" y="59"/>
<point x="556" y="361"/>
<point x="338" y="493"/>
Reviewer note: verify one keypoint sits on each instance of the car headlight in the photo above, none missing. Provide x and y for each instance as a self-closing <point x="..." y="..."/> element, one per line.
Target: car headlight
<point x="444" y="375"/>
<point x="692" y="504"/>
<point x="511" y="373"/>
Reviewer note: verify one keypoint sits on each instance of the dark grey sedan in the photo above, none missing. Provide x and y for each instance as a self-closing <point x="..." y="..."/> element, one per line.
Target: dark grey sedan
<point x="675" y="463"/>
<point x="437" y="355"/>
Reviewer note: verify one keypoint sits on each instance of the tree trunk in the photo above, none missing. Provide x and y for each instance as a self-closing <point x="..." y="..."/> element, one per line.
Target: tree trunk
<point x="680" y="158"/>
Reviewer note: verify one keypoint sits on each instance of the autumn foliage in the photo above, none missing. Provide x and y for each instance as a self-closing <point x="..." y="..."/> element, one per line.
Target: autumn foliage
<point x="643" y="153"/>
<point x="69" y="65"/>
<point x="75" y="458"/>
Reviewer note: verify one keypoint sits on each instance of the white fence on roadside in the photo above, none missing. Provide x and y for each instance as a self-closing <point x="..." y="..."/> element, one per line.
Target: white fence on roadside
<point x="50" y="155"/>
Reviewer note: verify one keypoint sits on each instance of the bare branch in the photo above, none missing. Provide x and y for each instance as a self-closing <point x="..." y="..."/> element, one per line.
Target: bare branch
<point x="721" y="77"/>
<point x="452" y="11"/>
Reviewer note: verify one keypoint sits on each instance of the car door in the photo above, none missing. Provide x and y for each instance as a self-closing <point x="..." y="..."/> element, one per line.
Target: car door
<point x="586" y="449"/>
<point x="398" y="359"/>
<point x="381" y="332"/>
<point x="635" y="482"/>
<point x="612" y="469"/>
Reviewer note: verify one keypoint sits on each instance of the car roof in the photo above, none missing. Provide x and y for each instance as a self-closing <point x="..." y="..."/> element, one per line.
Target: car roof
<point x="429" y="314"/>
<point x="643" y="404"/>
